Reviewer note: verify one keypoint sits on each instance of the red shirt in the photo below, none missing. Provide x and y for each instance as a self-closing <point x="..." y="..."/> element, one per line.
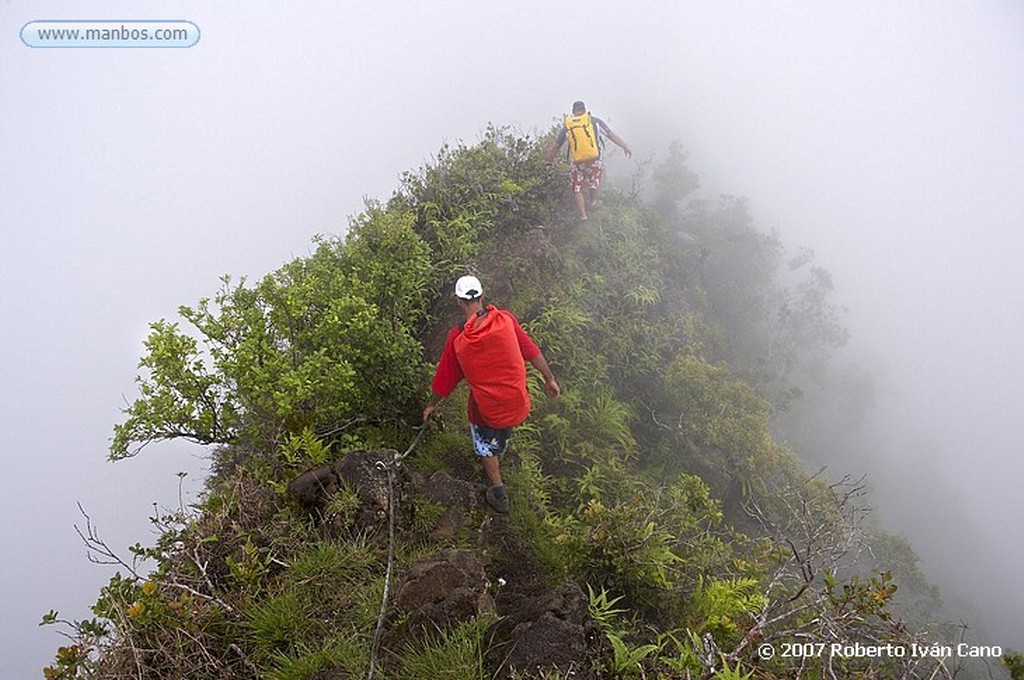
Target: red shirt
<point x="490" y="352"/>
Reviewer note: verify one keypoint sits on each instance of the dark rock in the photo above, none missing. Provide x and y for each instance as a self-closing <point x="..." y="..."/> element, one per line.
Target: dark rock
<point x="554" y="632"/>
<point x="443" y="590"/>
<point x="314" y="488"/>
<point x="547" y="643"/>
<point x="449" y="524"/>
<point x="445" y="489"/>
<point x="360" y="471"/>
<point x="363" y="473"/>
<point x="460" y="497"/>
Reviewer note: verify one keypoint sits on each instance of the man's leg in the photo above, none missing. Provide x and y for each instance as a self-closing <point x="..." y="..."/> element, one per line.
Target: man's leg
<point x="495" y="495"/>
<point x="595" y="171"/>
<point x="580" y="205"/>
<point x="577" y="180"/>
<point x="490" y="445"/>
<point x="492" y="468"/>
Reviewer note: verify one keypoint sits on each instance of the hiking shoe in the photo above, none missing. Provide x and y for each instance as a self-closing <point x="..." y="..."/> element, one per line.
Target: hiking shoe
<point x="499" y="504"/>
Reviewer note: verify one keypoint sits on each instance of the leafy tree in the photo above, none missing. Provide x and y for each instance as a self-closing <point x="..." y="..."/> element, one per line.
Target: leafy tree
<point x="321" y="342"/>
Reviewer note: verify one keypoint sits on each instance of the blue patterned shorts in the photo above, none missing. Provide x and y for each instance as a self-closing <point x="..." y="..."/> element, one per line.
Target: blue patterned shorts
<point x="490" y="441"/>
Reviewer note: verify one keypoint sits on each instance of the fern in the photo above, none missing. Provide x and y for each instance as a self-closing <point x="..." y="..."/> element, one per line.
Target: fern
<point x="626" y="660"/>
<point x="602" y="609"/>
<point x="718" y="603"/>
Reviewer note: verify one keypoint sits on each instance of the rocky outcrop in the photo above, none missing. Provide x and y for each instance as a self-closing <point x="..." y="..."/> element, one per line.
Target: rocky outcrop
<point x="552" y="632"/>
<point x="460" y="498"/>
<point x="312" y="489"/>
<point x="447" y="490"/>
<point x="537" y="631"/>
<point x="363" y="473"/>
<point x="442" y="590"/>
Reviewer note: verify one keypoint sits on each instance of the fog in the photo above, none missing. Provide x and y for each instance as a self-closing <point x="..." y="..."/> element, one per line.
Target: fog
<point x="887" y="138"/>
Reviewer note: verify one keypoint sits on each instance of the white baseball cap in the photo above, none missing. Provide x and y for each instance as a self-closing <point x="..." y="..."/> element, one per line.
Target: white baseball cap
<point x="468" y="288"/>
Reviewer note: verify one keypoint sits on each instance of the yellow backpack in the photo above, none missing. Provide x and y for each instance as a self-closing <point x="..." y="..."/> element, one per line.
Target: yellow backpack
<point x="582" y="136"/>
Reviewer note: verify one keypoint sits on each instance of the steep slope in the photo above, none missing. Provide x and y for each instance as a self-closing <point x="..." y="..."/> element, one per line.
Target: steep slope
<point x="658" y="526"/>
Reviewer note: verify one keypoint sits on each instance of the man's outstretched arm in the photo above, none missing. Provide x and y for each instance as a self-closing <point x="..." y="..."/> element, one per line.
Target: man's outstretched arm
<point x="550" y="384"/>
<point x="621" y="143"/>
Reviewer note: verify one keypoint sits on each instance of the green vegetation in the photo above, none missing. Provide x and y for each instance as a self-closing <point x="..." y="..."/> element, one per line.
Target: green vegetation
<point x="655" y="482"/>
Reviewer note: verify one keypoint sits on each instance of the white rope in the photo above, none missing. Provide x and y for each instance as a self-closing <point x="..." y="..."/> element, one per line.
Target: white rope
<point x="396" y="462"/>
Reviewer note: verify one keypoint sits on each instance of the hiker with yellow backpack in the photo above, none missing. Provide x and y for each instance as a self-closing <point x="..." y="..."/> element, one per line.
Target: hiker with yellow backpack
<point x="585" y="135"/>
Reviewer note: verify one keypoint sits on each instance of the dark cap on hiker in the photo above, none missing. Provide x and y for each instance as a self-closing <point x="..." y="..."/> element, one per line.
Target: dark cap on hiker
<point x="578" y="106"/>
<point x="468" y="288"/>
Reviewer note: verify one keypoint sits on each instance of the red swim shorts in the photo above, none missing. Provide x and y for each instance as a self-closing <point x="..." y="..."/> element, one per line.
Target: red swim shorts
<point x="588" y="173"/>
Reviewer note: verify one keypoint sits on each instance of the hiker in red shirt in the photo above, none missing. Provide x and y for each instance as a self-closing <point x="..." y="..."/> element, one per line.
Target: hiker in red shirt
<point x="490" y="351"/>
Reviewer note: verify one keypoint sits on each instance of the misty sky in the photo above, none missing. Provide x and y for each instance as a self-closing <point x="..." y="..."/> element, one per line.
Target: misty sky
<point x="886" y="136"/>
